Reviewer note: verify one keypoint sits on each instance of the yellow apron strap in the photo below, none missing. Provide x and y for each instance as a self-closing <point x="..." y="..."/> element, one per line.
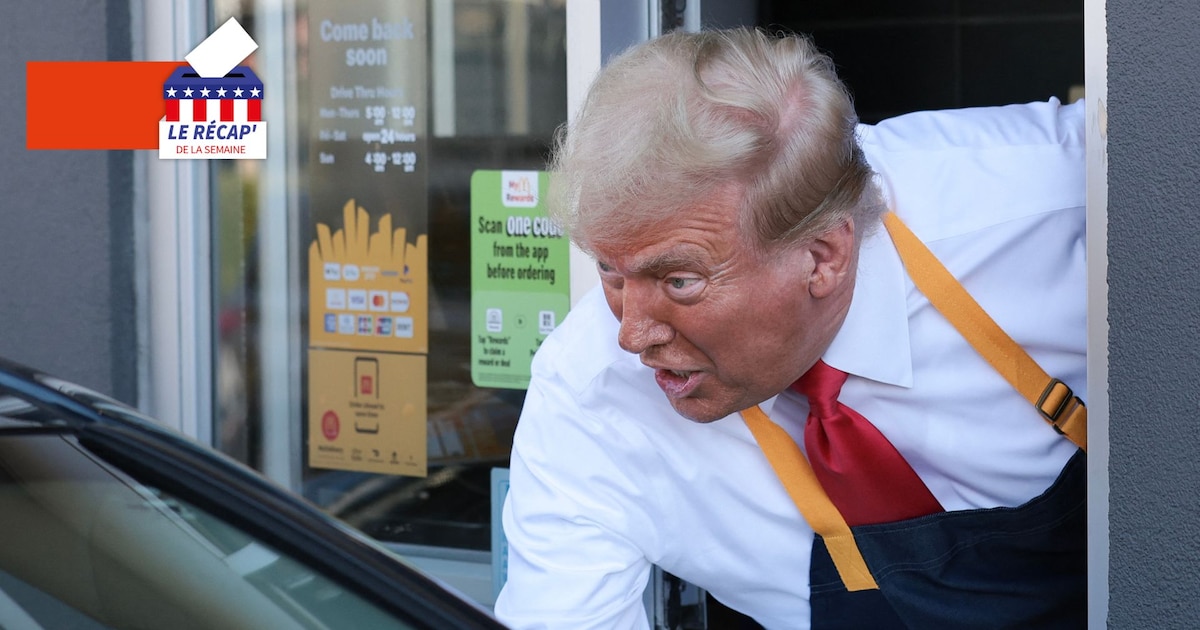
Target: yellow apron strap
<point x="1050" y="396"/>
<point x="806" y="492"/>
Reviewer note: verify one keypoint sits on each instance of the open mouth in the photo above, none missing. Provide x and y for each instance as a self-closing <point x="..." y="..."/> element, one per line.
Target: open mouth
<point x="677" y="383"/>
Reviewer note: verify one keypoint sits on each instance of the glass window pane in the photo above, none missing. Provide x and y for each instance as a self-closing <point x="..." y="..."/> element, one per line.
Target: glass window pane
<point x="484" y="88"/>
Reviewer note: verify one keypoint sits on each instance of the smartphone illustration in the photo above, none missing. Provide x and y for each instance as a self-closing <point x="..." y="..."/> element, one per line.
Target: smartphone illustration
<point x="366" y="377"/>
<point x="366" y="385"/>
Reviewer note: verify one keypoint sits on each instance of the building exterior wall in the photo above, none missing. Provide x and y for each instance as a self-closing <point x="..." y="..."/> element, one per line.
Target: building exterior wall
<point x="1154" y="312"/>
<point x="66" y="223"/>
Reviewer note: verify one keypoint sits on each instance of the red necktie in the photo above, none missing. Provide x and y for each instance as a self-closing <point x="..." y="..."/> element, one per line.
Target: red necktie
<point x="863" y="474"/>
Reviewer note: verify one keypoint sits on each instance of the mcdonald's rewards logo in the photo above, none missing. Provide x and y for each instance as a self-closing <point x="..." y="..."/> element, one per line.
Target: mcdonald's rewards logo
<point x="519" y="189"/>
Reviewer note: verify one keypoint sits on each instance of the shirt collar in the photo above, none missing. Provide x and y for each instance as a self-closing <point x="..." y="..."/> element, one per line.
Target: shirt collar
<point x="873" y="341"/>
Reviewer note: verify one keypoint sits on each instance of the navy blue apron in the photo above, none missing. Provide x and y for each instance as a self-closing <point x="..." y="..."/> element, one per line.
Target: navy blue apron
<point x="1022" y="567"/>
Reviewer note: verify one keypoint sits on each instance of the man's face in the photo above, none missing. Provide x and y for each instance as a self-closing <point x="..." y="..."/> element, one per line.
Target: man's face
<point x="722" y="327"/>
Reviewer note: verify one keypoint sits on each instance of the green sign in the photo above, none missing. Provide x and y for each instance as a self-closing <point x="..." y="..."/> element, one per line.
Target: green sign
<point x="520" y="289"/>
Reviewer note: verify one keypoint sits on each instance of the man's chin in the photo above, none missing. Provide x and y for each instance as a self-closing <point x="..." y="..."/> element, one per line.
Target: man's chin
<point x="699" y="411"/>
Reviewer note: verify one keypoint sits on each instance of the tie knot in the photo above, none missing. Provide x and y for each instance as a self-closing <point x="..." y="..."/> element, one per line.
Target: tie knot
<point x="821" y="384"/>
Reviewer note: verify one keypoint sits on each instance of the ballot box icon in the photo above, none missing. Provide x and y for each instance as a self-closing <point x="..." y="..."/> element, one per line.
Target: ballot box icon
<point x="235" y="97"/>
<point x="212" y="117"/>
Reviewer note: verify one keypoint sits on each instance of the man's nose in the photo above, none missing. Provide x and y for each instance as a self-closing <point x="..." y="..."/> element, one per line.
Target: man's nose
<point x="642" y="325"/>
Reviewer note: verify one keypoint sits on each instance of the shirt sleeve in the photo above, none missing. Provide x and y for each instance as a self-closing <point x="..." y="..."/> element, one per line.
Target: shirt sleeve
<point x="571" y="517"/>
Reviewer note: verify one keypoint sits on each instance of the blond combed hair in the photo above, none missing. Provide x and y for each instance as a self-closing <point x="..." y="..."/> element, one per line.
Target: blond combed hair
<point x="670" y="122"/>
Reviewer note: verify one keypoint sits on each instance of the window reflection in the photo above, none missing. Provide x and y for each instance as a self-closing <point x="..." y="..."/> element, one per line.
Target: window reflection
<point x="497" y="92"/>
<point x="88" y="547"/>
<point x="237" y="408"/>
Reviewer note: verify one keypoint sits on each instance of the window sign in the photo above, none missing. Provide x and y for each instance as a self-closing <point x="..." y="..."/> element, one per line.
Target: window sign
<point x="520" y="289"/>
<point x="499" y="481"/>
<point x="367" y="347"/>
<point x="368" y="279"/>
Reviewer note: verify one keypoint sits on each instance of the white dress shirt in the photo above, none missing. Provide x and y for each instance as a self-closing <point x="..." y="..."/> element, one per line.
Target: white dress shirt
<point x="607" y="479"/>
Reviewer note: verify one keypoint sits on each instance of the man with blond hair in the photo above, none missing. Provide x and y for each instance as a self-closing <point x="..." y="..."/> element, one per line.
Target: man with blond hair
<point x="833" y="372"/>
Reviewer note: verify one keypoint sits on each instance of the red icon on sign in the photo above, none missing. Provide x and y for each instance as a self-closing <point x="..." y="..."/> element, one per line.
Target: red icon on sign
<point x="330" y="425"/>
<point x="366" y="375"/>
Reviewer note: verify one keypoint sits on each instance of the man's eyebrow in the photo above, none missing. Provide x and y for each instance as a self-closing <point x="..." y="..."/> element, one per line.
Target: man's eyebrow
<point x="668" y="261"/>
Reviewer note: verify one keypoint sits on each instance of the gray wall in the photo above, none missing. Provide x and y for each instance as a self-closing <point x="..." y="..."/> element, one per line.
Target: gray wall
<point x="1154" y="312"/>
<point x="66" y="227"/>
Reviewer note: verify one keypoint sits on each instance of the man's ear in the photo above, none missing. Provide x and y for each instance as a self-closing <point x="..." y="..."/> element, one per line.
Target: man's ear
<point x="833" y="256"/>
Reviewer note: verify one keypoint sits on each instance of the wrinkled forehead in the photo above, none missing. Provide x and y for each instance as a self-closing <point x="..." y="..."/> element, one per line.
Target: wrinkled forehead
<point x="632" y="226"/>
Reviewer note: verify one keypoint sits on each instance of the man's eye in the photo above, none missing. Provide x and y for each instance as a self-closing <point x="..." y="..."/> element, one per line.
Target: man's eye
<point x="680" y="283"/>
<point x="605" y="267"/>
<point x="682" y="287"/>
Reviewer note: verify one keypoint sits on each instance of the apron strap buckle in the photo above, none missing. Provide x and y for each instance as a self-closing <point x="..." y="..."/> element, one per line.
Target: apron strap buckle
<point x="1056" y="398"/>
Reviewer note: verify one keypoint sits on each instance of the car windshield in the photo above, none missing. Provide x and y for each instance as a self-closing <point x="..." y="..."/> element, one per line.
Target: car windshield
<point x="85" y="546"/>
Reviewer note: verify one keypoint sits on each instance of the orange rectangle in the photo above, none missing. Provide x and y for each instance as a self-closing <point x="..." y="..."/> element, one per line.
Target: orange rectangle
<point x="94" y="104"/>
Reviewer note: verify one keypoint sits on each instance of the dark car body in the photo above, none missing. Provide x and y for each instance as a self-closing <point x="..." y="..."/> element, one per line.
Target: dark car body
<point x="108" y="520"/>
